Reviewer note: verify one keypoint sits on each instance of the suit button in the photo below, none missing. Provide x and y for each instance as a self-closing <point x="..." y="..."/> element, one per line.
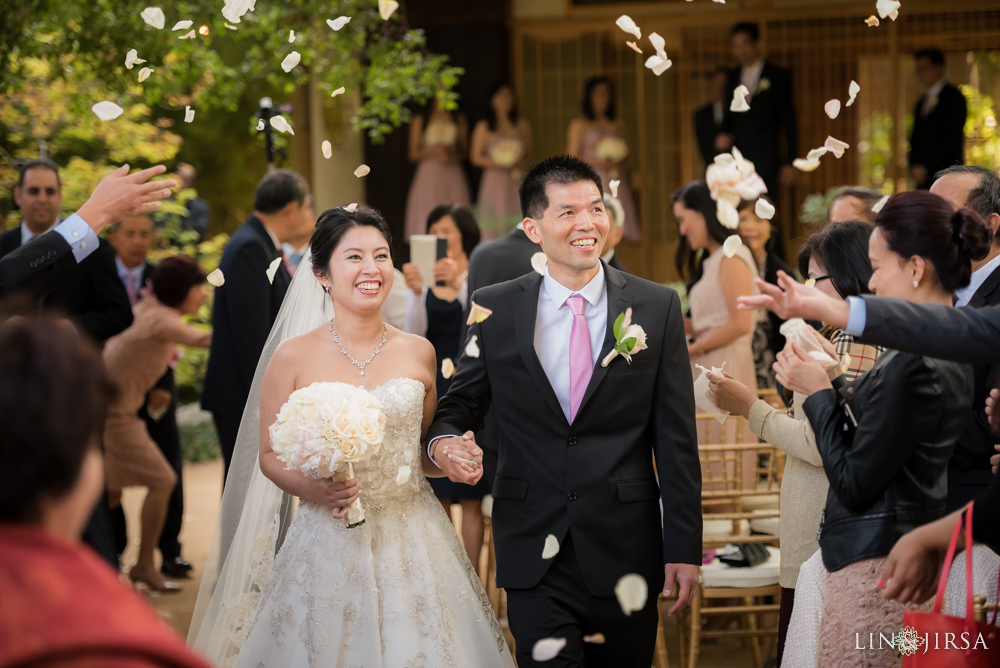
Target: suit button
<point x="572" y="496"/>
<point x="572" y="440"/>
<point x="33" y="264"/>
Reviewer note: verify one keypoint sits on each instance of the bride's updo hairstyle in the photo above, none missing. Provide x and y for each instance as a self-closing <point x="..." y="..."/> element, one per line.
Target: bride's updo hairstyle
<point x="331" y="227"/>
<point x="920" y="223"/>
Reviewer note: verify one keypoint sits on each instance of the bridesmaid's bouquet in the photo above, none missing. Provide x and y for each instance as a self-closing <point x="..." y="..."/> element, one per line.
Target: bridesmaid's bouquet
<point x="440" y="133"/>
<point x="507" y="152"/>
<point x="612" y="149"/>
<point x="323" y="429"/>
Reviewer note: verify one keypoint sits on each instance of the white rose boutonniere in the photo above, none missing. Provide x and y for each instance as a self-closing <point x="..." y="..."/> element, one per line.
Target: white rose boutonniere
<point x="630" y="339"/>
<point x="762" y="85"/>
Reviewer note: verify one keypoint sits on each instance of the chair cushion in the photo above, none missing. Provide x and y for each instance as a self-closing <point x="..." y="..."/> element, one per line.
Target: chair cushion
<point x="722" y="529"/>
<point x="717" y="574"/>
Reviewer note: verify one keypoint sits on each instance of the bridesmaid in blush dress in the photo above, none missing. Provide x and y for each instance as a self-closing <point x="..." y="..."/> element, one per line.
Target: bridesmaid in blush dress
<point x="439" y="142"/>
<point x="501" y="146"/>
<point x="599" y="138"/>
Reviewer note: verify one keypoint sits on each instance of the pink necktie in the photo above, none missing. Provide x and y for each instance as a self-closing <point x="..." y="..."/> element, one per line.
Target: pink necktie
<point x="133" y="296"/>
<point x="581" y="361"/>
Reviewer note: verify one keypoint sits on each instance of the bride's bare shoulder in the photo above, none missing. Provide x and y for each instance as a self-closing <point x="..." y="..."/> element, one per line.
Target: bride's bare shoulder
<point x="411" y="344"/>
<point x="298" y="347"/>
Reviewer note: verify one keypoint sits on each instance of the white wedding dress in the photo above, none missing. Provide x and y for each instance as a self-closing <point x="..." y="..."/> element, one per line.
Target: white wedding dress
<point x="396" y="592"/>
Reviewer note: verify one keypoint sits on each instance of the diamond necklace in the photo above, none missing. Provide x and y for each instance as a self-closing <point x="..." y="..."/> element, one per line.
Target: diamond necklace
<point x="360" y="365"/>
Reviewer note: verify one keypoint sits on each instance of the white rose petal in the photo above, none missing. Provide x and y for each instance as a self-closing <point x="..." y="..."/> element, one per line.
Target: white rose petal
<point x="886" y="7"/>
<point x="817" y="153"/>
<point x="447" y="368"/>
<point x="403" y="475"/>
<point x="190" y="35"/>
<point x="739" y="102"/>
<point x="216" y="278"/>
<point x="144" y="73"/>
<point x="732" y="244"/>
<point x="477" y="313"/>
<point x="280" y="124"/>
<point x="472" y="348"/>
<point x="107" y="111"/>
<point x="291" y="36"/>
<point x="872" y="21"/>
<point x="764" y="209"/>
<point x="832" y="108"/>
<point x="387" y="8"/>
<point x="260" y="125"/>
<point x="613" y="185"/>
<point x="631" y="592"/>
<point x="836" y="146"/>
<point x="488" y="505"/>
<point x="633" y="46"/>
<point x="539" y="262"/>
<point x="626" y="23"/>
<point x="272" y="269"/>
<point x="894" y="15"/>
<point x="727" y="214"/>
<point x="154" y="16"/>
<point x="551" y="548"/>
<point x="804" y="165"/>
<point x="658" y="65"/>
<point x="879" y="204"/>
<point x="290" y="61"/>
<point x="230" y="27"/>
<point x="338" y="22"/>
<point x="595" y="639"/>
<point x="852" y="92"/>
<point x="659" y="45"/>
<point x="352" y="207"/>
<point x="327" y="149"/>
<point x="362" y="170"/>
<point x="339" y="91"/>
<point x="132" y="58"/>
<point x="188" y="114"/>
<point x="547" y="649"/>
<point x="182" y="25"/>
<point x="234" y="9"/>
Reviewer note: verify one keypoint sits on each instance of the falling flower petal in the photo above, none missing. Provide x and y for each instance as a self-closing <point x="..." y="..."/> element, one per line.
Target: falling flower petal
<point x="132" y="58"/>
<point x="547" y="649"/>
<point x="188" y="114"/>
<point x="230" y="27"/>
<point x="387" y="8"/>
<point x="872" y="21"/>
<point x="182" y="25"/>
<point x="107" y="111"/>
<point x="327" y="149"/>
<point x="628" y="25"/>
<point x="832" y="108"/>
<point x="739" y="102"/>
<point x="659" y="65"/>
<point x="488" y="505"/>
<point x="154" y="16"/>
<point x="659" y="45"/>
<point x="144" y="73"/>
<point x="362" y="170"/>
<point x="886" y="7"/>
<point x="633" y="46"/>
<point x="272" y="269"/>
<point x="894" y="15"/>
<point x="852" y="92"/>
<point x="339" y="91"/>
<point x="731" y="245"/>
<point x="216" y="278"/>
<point x="631" y="591"/>
<point x="727" y="214"/>
<point x="613" y="185"/>
<point x="447" y="368"/>
<point x="879" y="204"/>
<point x="352" y="207"/>
<point x="472" y="348"/>
<point x="551" y="548"/>
<point x="804" y="165"/>
<point x="234" y="9"/>
<point x="817" y="153"/>
<point x="189" y="35"/>
<point x="338" y="22"/>
<point x="764" y="209"/>
<point x="280" y="124"/>
<point x="477" y="313"/>
<point x="596" y="639"/>
<point x="290" y="61"/>
<point x="260" y="125"/>
<point x="403" y="475"/>
<point x="539" y="262"/>
<point x="291" y="36"/>
<point x="836" y="146"/>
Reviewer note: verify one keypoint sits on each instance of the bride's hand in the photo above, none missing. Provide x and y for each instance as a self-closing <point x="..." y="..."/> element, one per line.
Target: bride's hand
<point x="337" y="494"/>
<point x="460" y="458"/>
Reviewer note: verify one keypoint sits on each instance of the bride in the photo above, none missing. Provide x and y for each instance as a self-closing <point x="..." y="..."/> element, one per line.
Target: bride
<point x="397" y="591"/>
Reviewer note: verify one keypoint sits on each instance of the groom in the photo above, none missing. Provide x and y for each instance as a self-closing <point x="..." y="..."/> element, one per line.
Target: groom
<point x="581" y="444"/>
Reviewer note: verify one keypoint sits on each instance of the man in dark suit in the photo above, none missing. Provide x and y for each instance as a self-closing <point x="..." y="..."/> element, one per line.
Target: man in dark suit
<point x="577" y="437"/>
<point x="708" y="119"/>
<point x="758" y="133"/>
<point x="616" y="230"/>
<point x="937" y="140"/>
<point x="96" y="301"/>
<point x="247" y="303"/>
<point x="979" y="189"/>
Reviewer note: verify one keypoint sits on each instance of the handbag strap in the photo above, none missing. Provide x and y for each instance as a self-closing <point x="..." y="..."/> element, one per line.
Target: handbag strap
<point x="949" y="557"/>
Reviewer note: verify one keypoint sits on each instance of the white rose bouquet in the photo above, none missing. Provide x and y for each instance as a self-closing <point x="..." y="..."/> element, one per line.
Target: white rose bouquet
<point x="507" y="152"/>
<point x="612" y="149"/>
<point x="324" y="429"/>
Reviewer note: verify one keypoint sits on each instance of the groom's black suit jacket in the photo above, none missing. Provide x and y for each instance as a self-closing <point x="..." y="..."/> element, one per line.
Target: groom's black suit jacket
<point x="595" y="478"/>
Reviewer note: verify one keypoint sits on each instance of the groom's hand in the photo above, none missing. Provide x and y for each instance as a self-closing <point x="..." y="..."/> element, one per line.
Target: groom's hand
<point x="686" y="576"/>
<point x="460" y="458"/>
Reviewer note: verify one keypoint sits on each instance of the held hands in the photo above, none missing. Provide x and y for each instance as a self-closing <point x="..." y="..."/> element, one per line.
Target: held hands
<point x="337" y="494"/>
<point x="791" y="299"/>
<point x="120" y="195"/>
<point x="686" y="575"/>
<point x="799" y="372"/>
<point x="730" y="394"/>
<point x="459" y="457"/>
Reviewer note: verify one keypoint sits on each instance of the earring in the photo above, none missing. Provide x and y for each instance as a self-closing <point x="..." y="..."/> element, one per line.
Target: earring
<point x="915" y="285"/>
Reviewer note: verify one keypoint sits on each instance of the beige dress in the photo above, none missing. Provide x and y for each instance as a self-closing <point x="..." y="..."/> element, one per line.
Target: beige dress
<point x="135" y="360"/>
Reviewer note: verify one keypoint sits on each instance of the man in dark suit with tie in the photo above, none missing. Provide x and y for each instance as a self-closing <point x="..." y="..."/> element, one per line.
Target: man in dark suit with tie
<point x="937" y="140"/>
<point x="247" y="303"/>
<point x="578" y="437"/>
<point x="95" y="301"/>
<point x="708" y="119"/>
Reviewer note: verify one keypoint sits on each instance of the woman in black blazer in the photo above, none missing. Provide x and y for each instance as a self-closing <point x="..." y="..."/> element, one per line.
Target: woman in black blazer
<point x="886" y="438"/>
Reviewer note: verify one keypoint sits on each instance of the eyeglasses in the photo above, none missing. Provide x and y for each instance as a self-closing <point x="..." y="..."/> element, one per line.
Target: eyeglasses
<point x="34" y="191"/>
<point x="824" y="277"/>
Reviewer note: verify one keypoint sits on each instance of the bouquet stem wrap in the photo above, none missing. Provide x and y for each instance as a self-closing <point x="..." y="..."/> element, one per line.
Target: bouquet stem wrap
<point x="355" y="512"/>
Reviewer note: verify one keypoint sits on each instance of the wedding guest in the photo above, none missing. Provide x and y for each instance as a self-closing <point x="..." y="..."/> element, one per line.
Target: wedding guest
<point x="439" y="142"/>
<point x="61" y="604"/>
<point x="885" y="440"/>
<point x="616" y="216"/>
<point x="132" y="240"/>
<point x="708" y="119"/>
<point x="937" y="139"/>
<point x="136" y="359"/>
<point x="247" y="303"/>
<point x="836" y="258"/>
<point x="759" y="235"/>
<point x="293" y="250"/>
<point x="95" y="301"/>
<point x="501" y="146"/>
<point x="599" y="138"/>
<point x="853" y="203"/>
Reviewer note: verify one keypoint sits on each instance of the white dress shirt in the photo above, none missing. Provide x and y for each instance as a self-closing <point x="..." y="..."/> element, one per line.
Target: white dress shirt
<point x="930" y="96"/>
<point x="78" y="234"/>
<point x="750" y="76"/>
<point x="964" y="295"/>
<point x="133" y="275"/>
<point x="27" y="235"/>
<point x="554" y="322"/>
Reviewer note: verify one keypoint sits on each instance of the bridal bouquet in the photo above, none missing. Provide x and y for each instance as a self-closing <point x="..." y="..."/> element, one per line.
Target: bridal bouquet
<point x="323" y="429"/>
<point x="441" y="134"/>
<point x="612" y="149"/>
<point x="507" y="152"/>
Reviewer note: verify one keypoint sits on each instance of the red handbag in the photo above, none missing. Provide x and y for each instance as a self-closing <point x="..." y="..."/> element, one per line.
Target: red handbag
<point x="935" y="640"/>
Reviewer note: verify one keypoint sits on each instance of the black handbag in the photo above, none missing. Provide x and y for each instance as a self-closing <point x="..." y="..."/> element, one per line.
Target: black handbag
<point x="747" y="555"/>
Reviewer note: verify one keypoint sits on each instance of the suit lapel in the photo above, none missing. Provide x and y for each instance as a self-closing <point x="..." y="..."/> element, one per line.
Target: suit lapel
<point x="525" y="315"/>
<point x="618" y="300"/>
<point x="988" y="287"/>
